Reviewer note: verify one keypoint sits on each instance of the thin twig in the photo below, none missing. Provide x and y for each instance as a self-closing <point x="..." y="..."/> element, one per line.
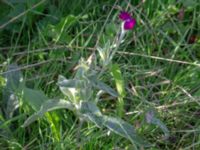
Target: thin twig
<point x="122" y="53"/>
<point x="160" y="58"/>
<point x="10" y="47"/>
<point x="21" y="14"/>
<point x="119" y="52"/>
<point x="29" y="66"/>
<point x="163" y="107"/>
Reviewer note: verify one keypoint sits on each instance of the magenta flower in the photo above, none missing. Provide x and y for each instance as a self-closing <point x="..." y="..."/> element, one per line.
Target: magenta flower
<point x="124" y="15"/>
<point x="129" y="22"/>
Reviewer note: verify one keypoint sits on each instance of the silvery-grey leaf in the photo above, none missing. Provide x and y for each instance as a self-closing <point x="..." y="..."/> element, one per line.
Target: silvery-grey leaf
<point x="89" y="107"/>
<point x="34" y="98"/>
<point x="102" y="86"/>
<point x="91" y="112"/>
<point x="124" y="129"/>
<point x="14" y="80"/>
<point x="12" y="105"/>
<point x="13" y="77"/>
<point x="151" y="119"/>
<point x="67" y="87"/>
<point x="63" y="82"/>
<point x="47" y="106"/>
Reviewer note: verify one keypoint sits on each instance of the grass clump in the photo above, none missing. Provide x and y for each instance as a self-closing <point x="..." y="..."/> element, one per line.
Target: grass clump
<point x="156" y="71"/>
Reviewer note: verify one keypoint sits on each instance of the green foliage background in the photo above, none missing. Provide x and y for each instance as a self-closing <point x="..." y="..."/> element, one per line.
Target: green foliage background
<point x="159" y="63"/>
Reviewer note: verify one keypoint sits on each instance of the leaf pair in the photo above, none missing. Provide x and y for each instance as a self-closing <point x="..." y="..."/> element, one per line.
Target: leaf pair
<point x="82" y="89"/>
<point x="119" y="126"/>
<point x="47" y="106"/>
<point x="90" y="112"/>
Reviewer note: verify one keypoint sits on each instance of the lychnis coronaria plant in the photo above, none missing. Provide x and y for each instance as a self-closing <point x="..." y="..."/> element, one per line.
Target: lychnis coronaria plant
<point x="128" y="21"/>
<point x="83" y="91"/>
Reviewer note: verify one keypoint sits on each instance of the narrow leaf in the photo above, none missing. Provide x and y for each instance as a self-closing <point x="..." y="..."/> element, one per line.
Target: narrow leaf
<point x="124" y="129"/>
<point x="101" y="53"/>
<point x="116" y="73"/>
<point x="151" y="119"/>
<point x="102" y="86"/>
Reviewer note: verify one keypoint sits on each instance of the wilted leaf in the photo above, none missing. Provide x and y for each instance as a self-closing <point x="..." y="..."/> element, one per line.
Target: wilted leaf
<point x="47" y="106"/>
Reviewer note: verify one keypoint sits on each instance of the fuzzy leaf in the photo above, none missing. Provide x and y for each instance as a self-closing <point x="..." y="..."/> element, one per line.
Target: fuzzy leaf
<point x="34" y="98"/>
<point x="102" y="86"/>
<point x="89" y="107"/>
<point x="103" y="54"/>
<point x="14" y="80"/>
<point x="90" y="111"/>
<point x="124" y="129"/>
<point x="12" y="105"/>
<point x="13" y="77"/>
<point x="47" y="106"/>
<point x="68" y="87"/>
<point x="62" y="81"/>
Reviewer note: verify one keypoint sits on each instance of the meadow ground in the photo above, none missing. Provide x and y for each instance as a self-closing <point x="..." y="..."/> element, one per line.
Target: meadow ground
<point x="158" y="62"/>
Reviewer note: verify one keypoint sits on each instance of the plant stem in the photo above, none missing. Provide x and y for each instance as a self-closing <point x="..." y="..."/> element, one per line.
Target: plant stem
<point x="79" y="132"/>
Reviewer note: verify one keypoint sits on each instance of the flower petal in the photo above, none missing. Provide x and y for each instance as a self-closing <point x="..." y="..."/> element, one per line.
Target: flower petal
<point x="129" y="24"/>
<point x="124" y="15"/>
